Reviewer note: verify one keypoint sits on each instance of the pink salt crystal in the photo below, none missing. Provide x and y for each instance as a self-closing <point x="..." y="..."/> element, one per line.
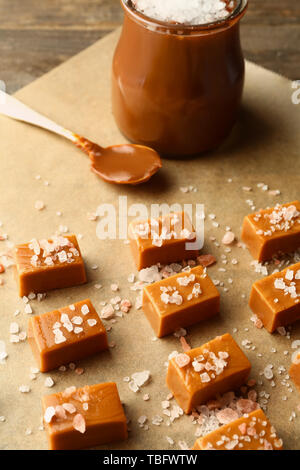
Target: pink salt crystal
<point x="107" y="312"/>
<point x="258" y="323"/>
<point x="228" y="238"/>
<point x="206" y="260"/>
<point x="60" y="412"/>
<point x="252" y="395"/>
<point x="125" y="305"/>
<point x="267" y="445"/>
<point x="79" y="423"/>
<point x="69" y="407"/>
<point x="213" y="405"/>
<point x="243" y="428"/>
<point x="246" y="406"/>
<point x="182" y="360"/>
<point x="185" y="346"/>
<point x="227" y="398"/>
<point x="201" y="419"/>
<point x="227" y="415"/>
<point x="251" y="431"/>
<point x="69" y="391"/>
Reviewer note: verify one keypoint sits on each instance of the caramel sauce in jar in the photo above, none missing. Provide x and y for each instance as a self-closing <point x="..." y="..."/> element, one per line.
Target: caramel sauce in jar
<point x="177" y="88"/>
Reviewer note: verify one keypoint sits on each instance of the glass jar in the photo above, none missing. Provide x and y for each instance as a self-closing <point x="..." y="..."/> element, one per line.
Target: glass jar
<point x="178" y="88"/>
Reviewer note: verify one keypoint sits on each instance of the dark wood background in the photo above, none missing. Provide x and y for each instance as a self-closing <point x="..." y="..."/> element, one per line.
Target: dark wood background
<point x="37" y="35"/>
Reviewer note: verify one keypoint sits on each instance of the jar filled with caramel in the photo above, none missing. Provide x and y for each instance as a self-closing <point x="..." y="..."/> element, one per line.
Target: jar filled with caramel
<point x="177" y="87"/>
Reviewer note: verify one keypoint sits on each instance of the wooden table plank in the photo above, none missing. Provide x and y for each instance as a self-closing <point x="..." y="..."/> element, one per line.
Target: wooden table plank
<point x="36" y="35"/>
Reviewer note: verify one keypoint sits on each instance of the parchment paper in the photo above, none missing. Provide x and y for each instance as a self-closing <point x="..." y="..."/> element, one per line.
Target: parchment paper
<point x="264" y="148"/>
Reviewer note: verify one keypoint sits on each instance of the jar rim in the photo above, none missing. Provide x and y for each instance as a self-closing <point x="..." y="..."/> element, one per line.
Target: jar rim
<point x="179" y="28"/>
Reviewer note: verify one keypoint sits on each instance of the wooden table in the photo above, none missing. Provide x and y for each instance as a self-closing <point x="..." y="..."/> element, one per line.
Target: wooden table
<point x="37" y="35"/>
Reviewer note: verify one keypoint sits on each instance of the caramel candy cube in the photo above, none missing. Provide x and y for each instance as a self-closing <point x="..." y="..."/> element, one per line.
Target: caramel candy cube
<point x="275" y="299"/>
<point x="84" y="417"/>
<point x="66" y="335"/>
<point x="42" y="265"/>
<point x="181" y="300"/>
<point x="252" y="431"/>
<point x="201" y="373"/>
<point x="294" y="371"/>
<point x="272" y="231"/>
<point x="162" y="240"/>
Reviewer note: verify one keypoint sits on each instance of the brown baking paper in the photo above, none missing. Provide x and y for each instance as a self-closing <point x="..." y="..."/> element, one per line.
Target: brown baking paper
<point x="263" y="148"/>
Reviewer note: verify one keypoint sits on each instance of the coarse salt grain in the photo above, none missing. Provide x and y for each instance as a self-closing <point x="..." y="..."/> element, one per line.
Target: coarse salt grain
<point x="49" y="414"/>
<point x="39" y="205"/>
<point x="69" y="407"/>
<point x="206" y="260"/>
<point x="182" y="360"/>
<point x="14" y="328"/>
<point x="196" y="12"/>
<point x="85" y="309"/>
<point x="107" y="312"/>
<point x="228" y="238"/>
<point x="28" y="309"/>
<point x="79" y="423"/>
<point x="49" y="382"/>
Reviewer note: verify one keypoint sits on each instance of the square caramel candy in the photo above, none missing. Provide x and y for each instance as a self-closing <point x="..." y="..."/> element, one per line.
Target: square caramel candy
<point x="84" y="417"/>
<point x="294" y="371"/>
<point x="181" y="300"/>
<point x="272" y="231"/>
<point x="162" y="240"/>
<point x="42" y="265"/>
<point x="66" y="335"/>
<point x="252" y="431"/>
<point x="275" y="299"/>
<point x="202" y="373"/>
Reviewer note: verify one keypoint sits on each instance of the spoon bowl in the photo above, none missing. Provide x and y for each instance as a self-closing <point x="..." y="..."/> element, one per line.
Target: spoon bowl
<point x="121" y="164"/>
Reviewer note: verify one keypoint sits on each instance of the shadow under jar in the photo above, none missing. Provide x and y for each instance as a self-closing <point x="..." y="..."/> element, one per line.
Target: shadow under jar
<point x="177" y="88"/>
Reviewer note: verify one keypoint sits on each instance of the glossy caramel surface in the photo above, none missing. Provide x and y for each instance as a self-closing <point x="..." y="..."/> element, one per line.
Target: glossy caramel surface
<point x="43" y="326"/>
<point x="277" y="306"/>
<point x="208" y="291"/>
<point x="265" y="239"/>
<point x="84" y="417"/>
<point x="236" y="361"/>
<point x="121" y="164"/>
<point x="162" y="240"/>
<point x="24" y="254"/>
<point x="251" y="432"/>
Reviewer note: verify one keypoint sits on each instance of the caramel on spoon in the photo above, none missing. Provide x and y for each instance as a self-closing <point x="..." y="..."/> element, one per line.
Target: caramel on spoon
<point x="120" y="164"/>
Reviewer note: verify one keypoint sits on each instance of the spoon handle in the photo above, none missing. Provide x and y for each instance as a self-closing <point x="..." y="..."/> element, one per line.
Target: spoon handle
<point x="10" y="106"/>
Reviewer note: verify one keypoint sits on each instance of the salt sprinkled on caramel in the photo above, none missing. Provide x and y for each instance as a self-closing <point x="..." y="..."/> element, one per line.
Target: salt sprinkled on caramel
<point x="79" y="423"/>
<point x="182" y="360"/>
